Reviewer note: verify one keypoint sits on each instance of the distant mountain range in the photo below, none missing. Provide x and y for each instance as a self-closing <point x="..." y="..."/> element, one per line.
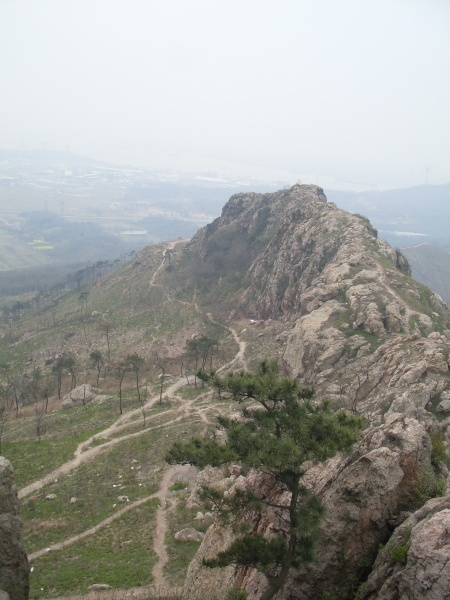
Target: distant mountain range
<point x="105" y="210"/>
<point x="415" y="220"/>
<point x="403" y="217"/>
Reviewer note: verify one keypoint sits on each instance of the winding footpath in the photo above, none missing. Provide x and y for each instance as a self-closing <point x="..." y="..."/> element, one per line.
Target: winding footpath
<point x="85" y="452"/>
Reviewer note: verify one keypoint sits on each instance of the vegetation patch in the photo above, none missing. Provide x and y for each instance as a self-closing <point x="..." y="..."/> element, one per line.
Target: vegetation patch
<point x="35" y="458"/>
<point x="120" y="555"/>
<point x="439" y="453"/>
<point x="127" y="469"/>
<point x="373" y="339"/>
<point x="399" y="554"/>
<point x="181" y="552"/>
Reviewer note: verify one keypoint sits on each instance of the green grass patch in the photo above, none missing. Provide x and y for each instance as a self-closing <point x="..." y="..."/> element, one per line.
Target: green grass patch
<point x="63" y="431"/>
<point x="33" y="459"/>
<point x="373" y="339"/>
<point x="181" y="552"/>
<point x="177" y="487"/>
<point x="399" y="554"/>
<point x="130" y="468"/>
<point x="120" y="555"/>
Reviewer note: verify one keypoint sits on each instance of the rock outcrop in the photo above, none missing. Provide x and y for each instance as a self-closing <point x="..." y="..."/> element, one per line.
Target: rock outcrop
<point x="83" y="394"/>
<point x="415" y="563"/>
<point x="366" y="494"/>
<point x="14" y="568"/>
<point x="374" y="342"/>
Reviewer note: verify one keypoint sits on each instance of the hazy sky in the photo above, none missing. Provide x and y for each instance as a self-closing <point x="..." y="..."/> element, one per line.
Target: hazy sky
<point x="356" y="90"/>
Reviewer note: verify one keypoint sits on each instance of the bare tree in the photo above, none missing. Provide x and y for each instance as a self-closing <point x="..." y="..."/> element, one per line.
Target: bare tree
<point x="6" y="386"/>
<point x="96" y="359"/>
<point x="84" y="295"/>
<point x="168" y="256"/>
<point x="161" y="376"/>
<point x="354" y="390"/>
<point x="106" y="326"/>
<point x="64" y="362"/>
<point x="199" y="351"/>
<point x="135" y="363"/>
<point x="142" y="403"/>
<point x="3" y="419"/>
<point x="121" y="369"/>
<point x="39" y="421"/>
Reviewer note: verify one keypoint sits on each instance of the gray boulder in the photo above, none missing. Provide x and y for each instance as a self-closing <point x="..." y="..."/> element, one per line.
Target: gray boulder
<point x="14" y="567"/>
<point x="415" y="563"/>
<point x="189" y="535"/>
<point x="83" y="394"/>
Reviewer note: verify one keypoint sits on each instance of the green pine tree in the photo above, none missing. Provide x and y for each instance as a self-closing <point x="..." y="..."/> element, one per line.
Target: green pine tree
<point x="281" y="428"/>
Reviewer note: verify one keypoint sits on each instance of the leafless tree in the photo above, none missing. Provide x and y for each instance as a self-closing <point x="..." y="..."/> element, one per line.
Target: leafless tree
<point x="353" y="390"/>
<point x="121" y="369"/>
<point x="106" y="327"/>
<point x="162" y="376"/>
<point x="142" y="403"/>
<point x="135" y="362"/>
<point x="39" y="421"/>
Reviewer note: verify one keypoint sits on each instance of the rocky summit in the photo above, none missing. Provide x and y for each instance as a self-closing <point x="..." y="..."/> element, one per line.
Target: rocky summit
<point x="353" y="323"/>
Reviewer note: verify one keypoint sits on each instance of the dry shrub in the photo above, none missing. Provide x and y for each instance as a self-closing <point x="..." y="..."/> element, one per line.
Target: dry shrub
<point x="37" y="526"/>
<point x="30" y="410"/>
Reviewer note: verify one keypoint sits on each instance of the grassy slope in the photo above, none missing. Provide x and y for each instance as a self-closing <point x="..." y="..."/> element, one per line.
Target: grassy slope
<point x="16" y="254"/>
<point x="141" y="315"/>
<point x="122" y="553"/>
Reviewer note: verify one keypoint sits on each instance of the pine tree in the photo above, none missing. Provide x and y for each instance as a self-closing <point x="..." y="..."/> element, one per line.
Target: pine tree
<point x="281" y="428"/>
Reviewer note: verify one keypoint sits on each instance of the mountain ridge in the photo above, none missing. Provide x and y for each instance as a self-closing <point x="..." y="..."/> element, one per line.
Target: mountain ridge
<point x="312" y="286"/>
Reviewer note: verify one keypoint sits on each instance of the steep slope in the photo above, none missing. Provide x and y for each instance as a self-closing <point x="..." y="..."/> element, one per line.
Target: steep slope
<point x="370" y="339"/>
<point x="431" y="265"/>
<point x="302" y="261"/>
<point x="303" y="281"/>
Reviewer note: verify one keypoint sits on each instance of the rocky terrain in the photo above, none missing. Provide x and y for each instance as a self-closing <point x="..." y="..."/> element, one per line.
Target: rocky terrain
<point x="289" y="275"/>
<point x="14" y="568"/>
<point x="375" y="342"/>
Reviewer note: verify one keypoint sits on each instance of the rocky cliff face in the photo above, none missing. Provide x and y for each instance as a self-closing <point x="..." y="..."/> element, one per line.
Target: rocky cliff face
<point x="14" y="568"/>
<point x="415" y="564"/>
<point x="375" y="342"/>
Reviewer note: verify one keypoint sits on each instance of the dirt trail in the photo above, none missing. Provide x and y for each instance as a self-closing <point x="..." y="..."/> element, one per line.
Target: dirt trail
<point x="159" y="545"/>
<point x="85" y="453"/>
<point x="169" y="247"/>
<point x="91" y="530"/>
<point x="166" y="503"/>
<point x="160" y="528"/>
<point x="240" y="356"/>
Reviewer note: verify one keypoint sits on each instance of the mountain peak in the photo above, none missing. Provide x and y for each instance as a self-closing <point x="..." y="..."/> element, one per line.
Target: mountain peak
<point x="293" y="257"/>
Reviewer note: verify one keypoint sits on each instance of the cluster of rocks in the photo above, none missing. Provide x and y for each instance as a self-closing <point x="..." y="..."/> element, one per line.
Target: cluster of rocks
<point x="14" y="567"/>
<point x="370" y="496"/>
<point x="81" y="395"/>
<point x="374" y="342"/>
